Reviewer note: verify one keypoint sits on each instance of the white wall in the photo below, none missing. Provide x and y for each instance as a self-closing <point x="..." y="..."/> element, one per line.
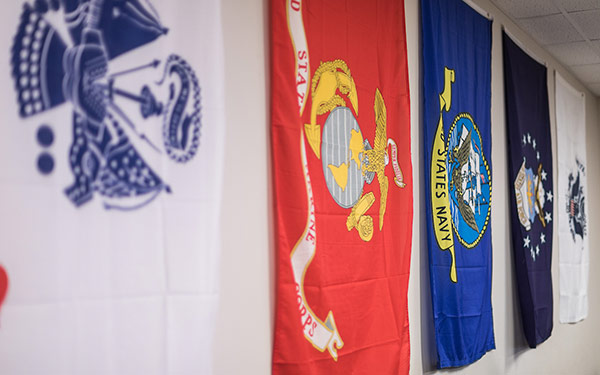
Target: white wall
<point x="245" y="325"/>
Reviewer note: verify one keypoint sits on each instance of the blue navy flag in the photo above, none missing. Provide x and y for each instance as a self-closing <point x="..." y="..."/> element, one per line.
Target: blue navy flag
<point x="531" y="197"/>
<point x="457" y="134"/>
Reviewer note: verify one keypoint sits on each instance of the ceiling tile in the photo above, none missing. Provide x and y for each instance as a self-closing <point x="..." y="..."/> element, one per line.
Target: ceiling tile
<point x="595" y="88"/>
<point x="596" y="46"/>
<point x="588" y="22"/>
<point x="551" y="29"/>
<point x="576" y="53"/>
<point x="587" y="73"/>
<point x="525" y="9"/>
<point x="578" y="5"/>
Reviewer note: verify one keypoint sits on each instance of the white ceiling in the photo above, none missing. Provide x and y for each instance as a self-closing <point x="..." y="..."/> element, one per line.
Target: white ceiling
<point x="568" y="29"/>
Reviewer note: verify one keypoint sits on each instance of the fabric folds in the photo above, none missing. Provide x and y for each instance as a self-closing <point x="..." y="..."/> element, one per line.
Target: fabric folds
<point x="456" y="55"/>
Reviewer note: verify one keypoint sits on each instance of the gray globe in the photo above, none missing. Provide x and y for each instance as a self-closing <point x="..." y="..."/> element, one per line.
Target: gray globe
<point x="335" y="151"/>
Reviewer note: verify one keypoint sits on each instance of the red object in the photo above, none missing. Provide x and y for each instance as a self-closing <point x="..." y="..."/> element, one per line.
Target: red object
<point x="340" y="137"/>
<point x="3" y="285"/>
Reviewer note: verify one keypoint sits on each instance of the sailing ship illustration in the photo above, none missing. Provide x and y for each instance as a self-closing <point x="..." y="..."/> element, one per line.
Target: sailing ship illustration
<point x="467" y="180"/>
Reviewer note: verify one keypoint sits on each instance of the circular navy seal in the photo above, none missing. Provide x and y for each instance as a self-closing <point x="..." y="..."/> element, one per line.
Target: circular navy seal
<point x="470" y="181"/>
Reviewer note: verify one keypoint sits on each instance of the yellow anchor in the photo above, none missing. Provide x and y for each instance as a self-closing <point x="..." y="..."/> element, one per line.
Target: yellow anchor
<point x="377" y="156"/>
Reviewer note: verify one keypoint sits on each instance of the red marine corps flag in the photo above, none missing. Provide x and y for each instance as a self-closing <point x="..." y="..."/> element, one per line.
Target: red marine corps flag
<point x="342" y="183"/>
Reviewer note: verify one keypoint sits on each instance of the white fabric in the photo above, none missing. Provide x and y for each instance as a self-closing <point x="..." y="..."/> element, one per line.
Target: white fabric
<point x="573" y="247"/>
<point x="104" y="291"/>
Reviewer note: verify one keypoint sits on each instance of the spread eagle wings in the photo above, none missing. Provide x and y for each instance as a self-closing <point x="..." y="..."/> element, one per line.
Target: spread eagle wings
<point x="380" y="142"/>
<point x="380" y="145"/>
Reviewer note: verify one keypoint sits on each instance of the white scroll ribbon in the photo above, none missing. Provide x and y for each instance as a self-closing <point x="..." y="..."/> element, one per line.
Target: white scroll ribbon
<point x="322" y="335"/>
<point x="298" y="36"/>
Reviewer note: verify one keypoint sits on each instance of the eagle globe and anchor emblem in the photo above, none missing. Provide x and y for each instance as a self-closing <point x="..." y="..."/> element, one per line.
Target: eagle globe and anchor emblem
<point x="460" y="180"/>
<point x="348" y="159"/>
<point x="51" y="68"/>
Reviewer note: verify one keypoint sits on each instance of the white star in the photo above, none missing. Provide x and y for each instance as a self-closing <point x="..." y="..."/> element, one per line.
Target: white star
<point x="537" y="250"/>
<point x="537" y="155"/>
<point x="534" y="143"/>
<point x="548" y="217"/>
<point x="527" y="241"/>
<point x="528" y="138"/>
<point x="524" y="139"/>
<point x="532" y="253"/>
<point x="542" y="238"/>
<point x="544" y="174"/>
<point x="549" y="195"/>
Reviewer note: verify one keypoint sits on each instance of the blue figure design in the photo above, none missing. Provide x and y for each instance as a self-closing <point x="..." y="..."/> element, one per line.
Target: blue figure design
<point x="45" y="136"/>
<point x="576" y="203"/>
<point x="49" y="72"/>
<point x="45" y="163"/>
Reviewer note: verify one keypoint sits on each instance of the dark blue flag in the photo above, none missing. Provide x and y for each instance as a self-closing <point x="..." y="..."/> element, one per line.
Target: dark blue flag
<point x="530" y="181"/>
<point x="457" y="135"/>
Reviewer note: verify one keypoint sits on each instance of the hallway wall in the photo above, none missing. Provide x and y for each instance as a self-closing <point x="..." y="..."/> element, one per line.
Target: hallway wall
<point x="245" y="325"/>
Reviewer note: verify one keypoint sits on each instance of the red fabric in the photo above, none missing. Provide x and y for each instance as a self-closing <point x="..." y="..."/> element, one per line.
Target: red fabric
<point x="3" y="284"/>
<point x="363" y="283"/>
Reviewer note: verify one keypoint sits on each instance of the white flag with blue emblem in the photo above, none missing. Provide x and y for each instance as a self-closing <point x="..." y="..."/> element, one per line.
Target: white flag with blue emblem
<point x="111" y="152"/>
<point x="572" y="206"/>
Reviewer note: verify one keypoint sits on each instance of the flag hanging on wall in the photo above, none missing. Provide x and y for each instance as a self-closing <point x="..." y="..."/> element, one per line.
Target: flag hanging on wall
<point x="573" y="246"/>
<point x="342" y="183"/>
<point x="456" y="90"/>
<point x="111" y="151"/>
<point x="531" y="196"/>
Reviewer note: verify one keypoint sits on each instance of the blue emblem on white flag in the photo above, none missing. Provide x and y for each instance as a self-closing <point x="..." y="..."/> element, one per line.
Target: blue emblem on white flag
<point x="51" y="68"/>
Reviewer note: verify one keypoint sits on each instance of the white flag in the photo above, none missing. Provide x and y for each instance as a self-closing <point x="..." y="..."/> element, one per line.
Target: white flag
<point x="111" y="158"/>
<point x="572" y="205"/>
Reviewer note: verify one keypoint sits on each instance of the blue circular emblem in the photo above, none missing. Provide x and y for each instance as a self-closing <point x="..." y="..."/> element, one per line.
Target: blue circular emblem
<point x="470" y="182"/>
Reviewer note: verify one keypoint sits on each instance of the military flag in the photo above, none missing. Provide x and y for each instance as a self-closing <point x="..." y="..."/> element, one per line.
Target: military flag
<point x="111" y="149"/>
<point x="457" y="144"/>
<point x="531" y="196"/>
<point x="573" y="239"/>
<point x="342" y="186"/>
